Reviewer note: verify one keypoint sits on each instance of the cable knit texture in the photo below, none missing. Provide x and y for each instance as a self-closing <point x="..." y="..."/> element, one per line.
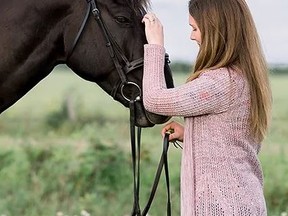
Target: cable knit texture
<point x="220" y="172"/>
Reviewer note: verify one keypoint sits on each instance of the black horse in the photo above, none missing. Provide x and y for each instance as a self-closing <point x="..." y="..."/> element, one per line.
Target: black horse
<point x="37" y="35"/>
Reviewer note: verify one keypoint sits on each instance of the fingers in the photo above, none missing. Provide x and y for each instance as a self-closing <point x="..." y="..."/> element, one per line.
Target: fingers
<point x="171" y="134"/>
<point x="149" y="17"/>
<point x="166" y="128"/>
<point x="175" y="130"/>
<point x="172" y="137"/>
<point x="169" y="128"/>
<point x="153" y="29"/>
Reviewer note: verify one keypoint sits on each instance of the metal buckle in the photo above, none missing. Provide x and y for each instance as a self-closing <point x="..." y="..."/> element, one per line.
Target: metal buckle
<point x="138" y="98"/>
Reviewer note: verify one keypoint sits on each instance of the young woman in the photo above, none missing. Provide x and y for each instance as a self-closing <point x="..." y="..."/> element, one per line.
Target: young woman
<point x="226" y="105"/>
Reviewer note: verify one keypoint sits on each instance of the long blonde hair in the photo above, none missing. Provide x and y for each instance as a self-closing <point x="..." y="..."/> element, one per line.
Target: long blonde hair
<point x="229" y="39"/>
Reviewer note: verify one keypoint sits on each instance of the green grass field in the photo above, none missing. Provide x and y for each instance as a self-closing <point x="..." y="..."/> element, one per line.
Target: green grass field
<point x="51" y="165"/>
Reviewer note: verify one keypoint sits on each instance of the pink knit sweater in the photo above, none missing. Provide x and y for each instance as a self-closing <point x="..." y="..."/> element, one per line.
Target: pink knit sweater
<point x="220" y="172"/>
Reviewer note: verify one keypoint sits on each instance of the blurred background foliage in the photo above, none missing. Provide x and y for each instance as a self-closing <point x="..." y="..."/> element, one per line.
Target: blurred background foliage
<point x="65" y="148"/>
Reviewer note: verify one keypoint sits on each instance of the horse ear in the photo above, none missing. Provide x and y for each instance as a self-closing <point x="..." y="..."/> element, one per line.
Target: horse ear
<point x="168" y="73"/>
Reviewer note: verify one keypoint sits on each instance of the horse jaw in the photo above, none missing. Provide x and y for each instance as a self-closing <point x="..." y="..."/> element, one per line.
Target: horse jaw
<point x="148" y="119"/>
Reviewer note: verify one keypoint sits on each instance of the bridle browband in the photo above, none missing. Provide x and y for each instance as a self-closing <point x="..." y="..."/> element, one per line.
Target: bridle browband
<point x="115" y="53"/>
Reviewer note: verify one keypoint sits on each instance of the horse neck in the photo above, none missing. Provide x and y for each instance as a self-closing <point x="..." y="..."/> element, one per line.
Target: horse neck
<point x="32" y="43"/>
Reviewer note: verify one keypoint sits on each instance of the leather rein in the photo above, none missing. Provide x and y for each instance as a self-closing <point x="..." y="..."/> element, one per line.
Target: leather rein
<point x="116" y="53"/>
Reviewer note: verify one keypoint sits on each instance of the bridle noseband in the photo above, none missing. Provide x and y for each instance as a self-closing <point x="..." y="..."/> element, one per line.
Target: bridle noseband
<point x="116" y="53"/>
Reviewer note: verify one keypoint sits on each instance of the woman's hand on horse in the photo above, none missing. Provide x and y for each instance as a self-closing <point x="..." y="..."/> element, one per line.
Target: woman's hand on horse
<point x="176" y="131"/>
<point x="153" y="29"/>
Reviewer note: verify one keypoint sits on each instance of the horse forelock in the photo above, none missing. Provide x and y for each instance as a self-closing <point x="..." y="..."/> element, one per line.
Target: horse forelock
<point x="139" y="6"/>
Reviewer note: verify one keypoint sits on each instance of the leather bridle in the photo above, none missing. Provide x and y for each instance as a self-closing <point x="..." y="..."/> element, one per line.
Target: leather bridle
<point x="115" y="53"/>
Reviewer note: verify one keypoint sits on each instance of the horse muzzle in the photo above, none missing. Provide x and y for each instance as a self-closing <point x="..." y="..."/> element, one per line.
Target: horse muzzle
<point x="143" y="118"/>
<point x="150" y="119"/>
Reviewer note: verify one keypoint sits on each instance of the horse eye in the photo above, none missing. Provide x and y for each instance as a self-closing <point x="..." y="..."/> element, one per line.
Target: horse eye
<point x="122" y="20"/>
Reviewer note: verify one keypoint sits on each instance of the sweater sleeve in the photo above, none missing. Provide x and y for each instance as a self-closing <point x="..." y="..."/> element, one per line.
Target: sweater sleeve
<point x="209" y="93"/>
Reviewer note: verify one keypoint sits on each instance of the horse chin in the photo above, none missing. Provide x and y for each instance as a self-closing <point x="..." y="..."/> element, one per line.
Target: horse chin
<point x="157" y="119"/>
<point x="148" y="119"/>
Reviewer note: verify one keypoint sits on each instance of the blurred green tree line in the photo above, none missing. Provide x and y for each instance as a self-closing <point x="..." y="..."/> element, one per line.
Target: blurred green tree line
<point x="186" y="67"/>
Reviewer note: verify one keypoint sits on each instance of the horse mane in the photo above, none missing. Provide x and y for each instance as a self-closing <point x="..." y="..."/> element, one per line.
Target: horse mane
<point x="140" y="7"/>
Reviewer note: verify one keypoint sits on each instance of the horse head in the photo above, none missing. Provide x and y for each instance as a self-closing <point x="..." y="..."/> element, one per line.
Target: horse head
<point x="101" y="41"/>
<point x="108" y="50"/>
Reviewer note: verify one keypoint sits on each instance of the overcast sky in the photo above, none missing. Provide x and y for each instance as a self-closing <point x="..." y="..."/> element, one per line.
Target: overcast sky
<point x="270" y="16"/>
